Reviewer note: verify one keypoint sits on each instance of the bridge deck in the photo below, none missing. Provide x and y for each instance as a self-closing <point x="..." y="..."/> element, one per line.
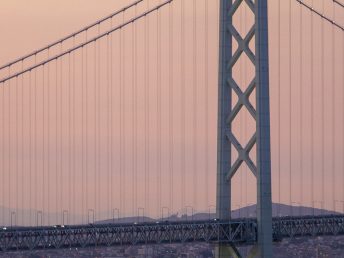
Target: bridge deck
<point x="241" y="231"/>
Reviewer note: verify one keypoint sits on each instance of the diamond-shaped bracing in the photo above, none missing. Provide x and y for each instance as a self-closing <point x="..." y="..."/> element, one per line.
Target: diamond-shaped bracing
<point x="243" y="97"/>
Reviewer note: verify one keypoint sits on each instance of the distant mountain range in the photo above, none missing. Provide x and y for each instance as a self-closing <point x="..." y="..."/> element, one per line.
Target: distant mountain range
<point x="24" y="217"/>
<point x="245" y="212"/>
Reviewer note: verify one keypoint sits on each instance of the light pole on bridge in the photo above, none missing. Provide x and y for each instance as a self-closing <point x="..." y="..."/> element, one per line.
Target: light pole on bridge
<point x="339" y="202"/>
<point x="115" y="211"/>
<point x="13" y="221"/>
<point x="162" y="212"/>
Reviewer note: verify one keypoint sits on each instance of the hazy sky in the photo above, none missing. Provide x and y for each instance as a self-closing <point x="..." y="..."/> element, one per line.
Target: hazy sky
<point x="28" y="25"/>
<point x="49" y="148"/>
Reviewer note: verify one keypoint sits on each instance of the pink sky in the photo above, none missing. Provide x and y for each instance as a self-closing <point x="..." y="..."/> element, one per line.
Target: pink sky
<point x="28" y="25"/>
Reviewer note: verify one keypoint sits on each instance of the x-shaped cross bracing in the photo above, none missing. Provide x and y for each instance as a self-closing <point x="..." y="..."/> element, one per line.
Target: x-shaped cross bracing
<point x="243" y="97"/>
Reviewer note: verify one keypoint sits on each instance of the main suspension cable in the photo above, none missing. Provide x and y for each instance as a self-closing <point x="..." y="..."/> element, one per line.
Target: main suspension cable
<point x="338" y="3"/>
<point x="87" y="42"/>
<point x="320" y="14"/>
<point x="73" y="35"/>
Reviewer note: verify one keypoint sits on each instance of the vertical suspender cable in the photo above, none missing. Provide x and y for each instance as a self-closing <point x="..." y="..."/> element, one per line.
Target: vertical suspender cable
<point x="290" y="109"/>
<point x="61" y="138"/>
<point x="240" y="126"/>
<point x="9" y="145"/>
<point x="35" y="141"/>
<point x="108" y="140"/>
<point x="246" y="123"/>
<point x="343" y="110"/>
<point x="30" y="144"/>
<point x="194" y="95"/>
<point x="120" y="121"/>
<point x="301" y="109"/>
<point x="111" y="120"/>
<point x="86" y="131"/>
<point x="48" y="139"/>
<point x="245" y="115"/>
<point x="16" y="180"/>
<point x="279" y="106"/>
<point x="99" y="126"/>
<point x="3" y="85"/>
<point x="206" y="100"/>
<point x="4" y="215"/>
<point x="96" y="87"/>
<point x="158" y="109"/>
<point x="312" y="111"/>
<point x="133" y="117"/>
<point x="82" y="137"/>
<point x="69" y="140"/>
<point x="322" y="111"/>
<point x="242" y="132"/>
<point x="171" y="140"/>
<point x="3" y="153"/>
<point x="22" y="151"/>
<point x="333" y="113"/>
<point x="123" y="119"/>
<point x="30" y="149"/>
<point x="43" y="155"/>
<point x="56" y="144"/>
<point x="183" y="102"/>
<point x="135" y="114"/>
<point x="73" y="141"/>
<point x="147" y="206"/>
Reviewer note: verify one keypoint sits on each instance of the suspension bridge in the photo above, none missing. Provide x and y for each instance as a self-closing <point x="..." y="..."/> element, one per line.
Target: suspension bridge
<point x="158" y="123"/>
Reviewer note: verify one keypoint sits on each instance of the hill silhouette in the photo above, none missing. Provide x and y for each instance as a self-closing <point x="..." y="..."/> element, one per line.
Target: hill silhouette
<point x="245" y="212"/>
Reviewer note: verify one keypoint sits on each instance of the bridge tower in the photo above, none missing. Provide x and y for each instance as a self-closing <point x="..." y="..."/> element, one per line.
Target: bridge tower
<point x="227" y="114"/>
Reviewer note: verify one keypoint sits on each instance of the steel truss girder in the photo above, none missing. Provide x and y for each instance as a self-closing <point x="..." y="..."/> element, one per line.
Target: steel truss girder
<point x="308" y="226"/>
<point x="240" y="232"/>
<point x="235" y="232"/>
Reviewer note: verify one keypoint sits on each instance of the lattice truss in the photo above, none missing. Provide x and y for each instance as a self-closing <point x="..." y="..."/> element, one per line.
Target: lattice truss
<point x="243" y="93"/>
<point x="240" y="232"/>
